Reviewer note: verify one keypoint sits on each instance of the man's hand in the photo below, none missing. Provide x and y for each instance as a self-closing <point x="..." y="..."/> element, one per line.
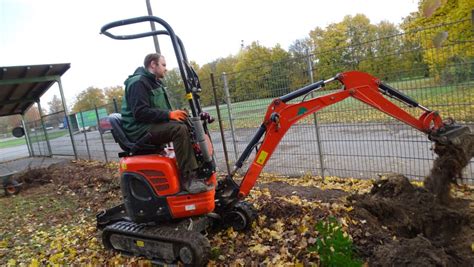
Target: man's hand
<point x="178" y="115"/>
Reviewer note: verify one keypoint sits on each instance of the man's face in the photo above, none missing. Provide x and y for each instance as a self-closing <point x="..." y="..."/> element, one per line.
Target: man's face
<point x="159" y="68"/>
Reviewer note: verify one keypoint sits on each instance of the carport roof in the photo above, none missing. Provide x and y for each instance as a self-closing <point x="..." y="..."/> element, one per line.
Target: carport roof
<point x="22" y="86"/>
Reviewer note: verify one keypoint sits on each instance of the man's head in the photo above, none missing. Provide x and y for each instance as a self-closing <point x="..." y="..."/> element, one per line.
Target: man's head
<point x="156" y="64"/>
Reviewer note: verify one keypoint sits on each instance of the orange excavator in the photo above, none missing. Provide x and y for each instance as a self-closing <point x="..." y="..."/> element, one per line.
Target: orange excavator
<point x="162" y="222"/>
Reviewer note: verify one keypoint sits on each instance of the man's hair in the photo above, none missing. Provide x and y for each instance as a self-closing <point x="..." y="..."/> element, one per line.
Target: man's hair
<point x="149" y="58"/>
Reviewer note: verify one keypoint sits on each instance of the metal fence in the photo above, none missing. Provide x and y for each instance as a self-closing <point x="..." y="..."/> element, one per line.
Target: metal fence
<point x="349" y="139"/>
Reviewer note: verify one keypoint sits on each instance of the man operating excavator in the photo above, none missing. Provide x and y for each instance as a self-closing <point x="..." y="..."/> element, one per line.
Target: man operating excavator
<point x="146" y="110"/>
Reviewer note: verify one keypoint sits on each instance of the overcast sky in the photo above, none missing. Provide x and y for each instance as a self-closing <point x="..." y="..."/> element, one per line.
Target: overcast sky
<point x="67" y="31"/>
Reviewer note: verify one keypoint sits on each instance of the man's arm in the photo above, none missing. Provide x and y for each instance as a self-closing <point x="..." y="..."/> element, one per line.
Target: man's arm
<point x="139" y="101"/>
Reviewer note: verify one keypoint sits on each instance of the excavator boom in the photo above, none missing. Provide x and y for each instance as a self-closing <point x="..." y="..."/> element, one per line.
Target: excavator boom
<point x="281" y="115"/>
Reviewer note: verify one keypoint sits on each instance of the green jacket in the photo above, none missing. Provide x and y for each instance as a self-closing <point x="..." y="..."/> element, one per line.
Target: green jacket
<point x="145" y="102"/>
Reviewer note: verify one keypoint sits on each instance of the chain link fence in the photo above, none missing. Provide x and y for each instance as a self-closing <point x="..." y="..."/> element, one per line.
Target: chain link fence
<point x="349" y="139"/>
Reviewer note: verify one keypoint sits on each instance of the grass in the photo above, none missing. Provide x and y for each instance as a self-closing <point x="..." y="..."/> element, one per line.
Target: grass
<point x="450" y="101"/>
<point x="34" y="139"/>
<point x="51" y="135"/>
<point x="22" y="210"/>
<point x="12" y="142"/>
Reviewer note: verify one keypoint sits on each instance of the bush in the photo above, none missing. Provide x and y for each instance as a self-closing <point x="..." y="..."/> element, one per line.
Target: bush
<point x="457" y="70"/>
<point x="333" y="245"/>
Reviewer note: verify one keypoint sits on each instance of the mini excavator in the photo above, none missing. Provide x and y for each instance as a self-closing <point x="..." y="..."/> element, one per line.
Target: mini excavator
<point x="160" y="221"/>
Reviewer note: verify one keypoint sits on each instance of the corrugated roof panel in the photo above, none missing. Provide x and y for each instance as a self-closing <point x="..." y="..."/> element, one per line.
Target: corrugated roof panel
<point x="20" y="86"/>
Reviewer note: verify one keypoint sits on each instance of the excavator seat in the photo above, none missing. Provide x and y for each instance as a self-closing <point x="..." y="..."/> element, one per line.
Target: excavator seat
<point x="140" y="147"/>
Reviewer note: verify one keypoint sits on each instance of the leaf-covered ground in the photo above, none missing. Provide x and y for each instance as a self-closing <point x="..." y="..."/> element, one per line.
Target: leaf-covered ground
<point x="52" y="221"/>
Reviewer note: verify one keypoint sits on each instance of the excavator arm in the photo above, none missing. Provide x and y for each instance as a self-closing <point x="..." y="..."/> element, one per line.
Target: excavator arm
<point x="280" y="116"/>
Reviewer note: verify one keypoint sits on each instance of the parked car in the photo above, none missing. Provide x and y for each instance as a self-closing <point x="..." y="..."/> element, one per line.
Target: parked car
<point x="104" y="125"/>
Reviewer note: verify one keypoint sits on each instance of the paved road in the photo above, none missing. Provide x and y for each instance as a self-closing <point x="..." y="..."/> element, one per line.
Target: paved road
<point x="359" y="150"/>
<point x="11" y="153"/>
<point x="348" y="150"/>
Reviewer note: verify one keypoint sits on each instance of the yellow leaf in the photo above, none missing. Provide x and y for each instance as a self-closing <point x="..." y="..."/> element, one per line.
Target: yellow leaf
<point x="240" y="262"/>
<point x="275" y="235"/>
<point x="56" y="257"/>
<point x="303" y="229"/>
<point x="34" y="263"/>
<point x="72" y="253"/>
<point x="231" y="233"/>
<point x="279" y="226"/>
<point x="3" y="244"/>
<point x="11" y="262"/>
<point x="260" y="249"/>
<point x="472" y="247"/>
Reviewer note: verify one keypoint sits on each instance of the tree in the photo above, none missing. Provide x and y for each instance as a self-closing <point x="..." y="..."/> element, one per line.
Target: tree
<point x="281" y="71"/>
<point x="175" y="87"/>
<point x="301" y="47"/>
<point x="111" y="93"/>
<point x="359" y="34"/>
<point x="32" y="114"/>
<point x="301" y="52"/>
<point x="204" y="73"/>
<point x="446" y="50"/>
<point x="343" y="45"/>
<point x="7" y="123"/>
<point x="329" y="43"/>
<point x="257" y="75"/>
<point x="217" y="67"/>
<point x="55" y="105"/>
<point x="89" y="99"/>
<point x="55" y="110"/>
<point x="385" y="56"/>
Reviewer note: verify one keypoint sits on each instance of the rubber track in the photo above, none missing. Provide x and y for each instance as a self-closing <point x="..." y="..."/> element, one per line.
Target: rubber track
<point x="199" y="244"/>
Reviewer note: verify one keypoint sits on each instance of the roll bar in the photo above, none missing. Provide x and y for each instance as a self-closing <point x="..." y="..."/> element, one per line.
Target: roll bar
<point x="189" y="78"/>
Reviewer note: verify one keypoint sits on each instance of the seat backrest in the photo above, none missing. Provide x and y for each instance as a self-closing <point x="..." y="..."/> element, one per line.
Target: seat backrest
<point x="141" y="146"/>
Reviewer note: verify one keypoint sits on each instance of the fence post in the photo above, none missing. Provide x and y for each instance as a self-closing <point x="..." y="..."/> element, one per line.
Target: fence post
<point x="221" y="126"/>
<point x="85" y="135"/>
<point x="44" y="129"/>
<point x="66" y="115"/>
<point x="27" y="137"/>
<point x="100" y="133"/>
<point x="37" y="141"/>
<point x="229" y="111"/>
<point x="315" y="119"/>
<point x="115" y="105"/>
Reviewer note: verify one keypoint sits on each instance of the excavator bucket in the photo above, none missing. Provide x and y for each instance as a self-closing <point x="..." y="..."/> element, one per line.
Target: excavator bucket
<point x="450" y="133"/>
<point x="454" y="145"/>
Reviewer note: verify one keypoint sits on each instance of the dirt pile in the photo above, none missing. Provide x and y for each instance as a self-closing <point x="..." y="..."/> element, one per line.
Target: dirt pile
<point x="72" y="174"/>
<point x="405" y="225"/>
<point x="94" y="182"/>
<point x="398" y="224"/>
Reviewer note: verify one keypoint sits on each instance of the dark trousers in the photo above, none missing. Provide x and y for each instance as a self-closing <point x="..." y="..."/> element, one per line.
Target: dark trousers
<point x="178" y="133"/>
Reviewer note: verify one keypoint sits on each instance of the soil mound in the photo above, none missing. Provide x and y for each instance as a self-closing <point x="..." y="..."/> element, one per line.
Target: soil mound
<point x="405" y="225"/>
<point x="73" y="175"/>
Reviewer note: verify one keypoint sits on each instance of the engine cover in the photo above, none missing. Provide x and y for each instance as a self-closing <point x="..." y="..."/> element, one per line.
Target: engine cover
<point x="152" y="192"/>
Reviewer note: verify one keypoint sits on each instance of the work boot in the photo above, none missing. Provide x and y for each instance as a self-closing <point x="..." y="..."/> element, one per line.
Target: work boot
<point x="193" y="185"/>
